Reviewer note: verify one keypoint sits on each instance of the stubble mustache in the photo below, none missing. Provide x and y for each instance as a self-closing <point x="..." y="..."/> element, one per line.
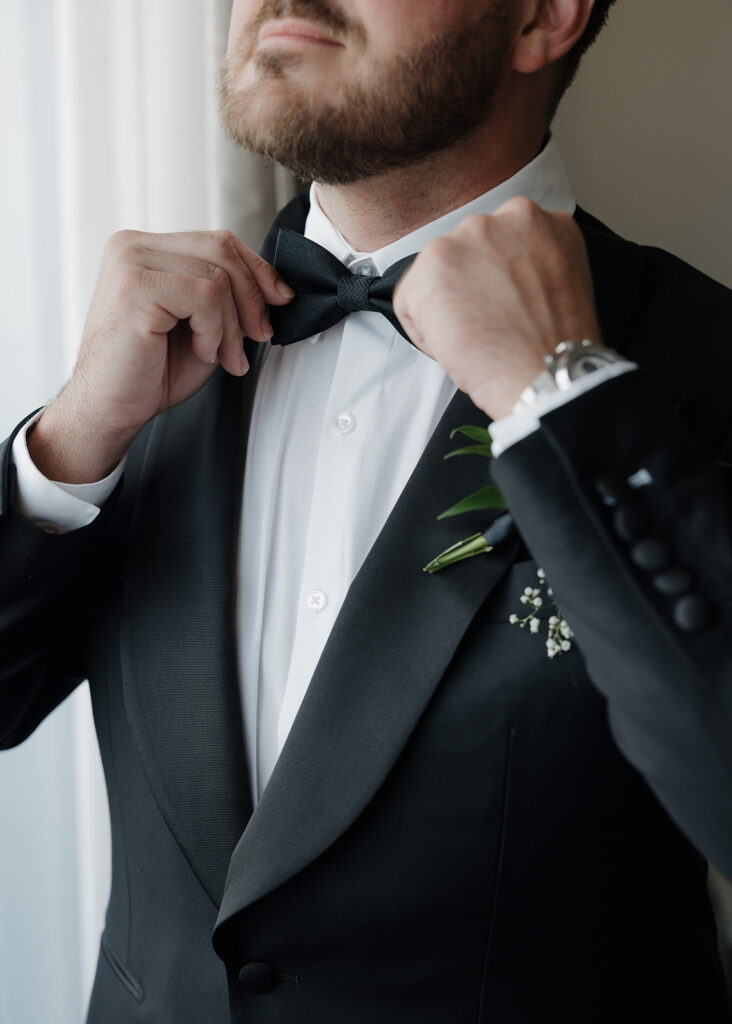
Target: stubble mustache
<point x="323" y="13"/>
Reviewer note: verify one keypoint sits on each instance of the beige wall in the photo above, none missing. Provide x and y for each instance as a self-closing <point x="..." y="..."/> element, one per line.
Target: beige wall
<point x="646" y="129"/>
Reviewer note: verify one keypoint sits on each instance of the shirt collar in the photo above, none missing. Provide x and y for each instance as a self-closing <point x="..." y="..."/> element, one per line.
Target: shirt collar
<point x="544" y="180"/>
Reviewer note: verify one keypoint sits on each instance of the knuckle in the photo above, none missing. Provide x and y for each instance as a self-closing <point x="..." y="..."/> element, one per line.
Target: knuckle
<point x="475" y="224"/>
<point x="121" y="240"/>
<point x="522" y="207"/>
<point x="219" y="276"/>
<point x="566" y="224"/>
<point x="134" y="252"/>
<point x="438" y="252"/>
<point x="208" y="290"/>
<point x="222" y="239"/>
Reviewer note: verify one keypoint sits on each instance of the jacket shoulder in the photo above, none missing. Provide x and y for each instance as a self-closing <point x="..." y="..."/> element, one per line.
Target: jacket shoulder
<point x="676" y="324"/>
<point x="660" y="268"/>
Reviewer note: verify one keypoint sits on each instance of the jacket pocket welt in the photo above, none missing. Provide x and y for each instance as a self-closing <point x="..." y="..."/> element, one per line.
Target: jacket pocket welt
<point x="118" y="968"/>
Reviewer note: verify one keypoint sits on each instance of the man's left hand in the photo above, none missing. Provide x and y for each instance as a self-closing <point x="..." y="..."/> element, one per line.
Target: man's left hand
<point x="489" y="300"/>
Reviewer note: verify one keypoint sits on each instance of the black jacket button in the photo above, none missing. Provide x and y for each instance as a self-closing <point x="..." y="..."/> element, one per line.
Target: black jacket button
<point x="630" y="522"/>
<point x="673" y="581"/>
<point x="258" y="977"/>
<point x="691" y="613"/>
<point x="650" y="554"/>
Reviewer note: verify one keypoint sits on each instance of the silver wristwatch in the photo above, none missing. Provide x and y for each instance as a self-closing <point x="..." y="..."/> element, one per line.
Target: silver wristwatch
<point x="566" y="364"/>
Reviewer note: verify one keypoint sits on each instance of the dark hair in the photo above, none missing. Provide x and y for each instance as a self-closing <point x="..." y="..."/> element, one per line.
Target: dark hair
<point x="569" y="64"/>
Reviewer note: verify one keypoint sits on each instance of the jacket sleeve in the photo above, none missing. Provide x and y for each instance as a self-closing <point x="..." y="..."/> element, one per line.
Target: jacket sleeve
<point x="44" y="589"/>
<point x="632" y="522"/>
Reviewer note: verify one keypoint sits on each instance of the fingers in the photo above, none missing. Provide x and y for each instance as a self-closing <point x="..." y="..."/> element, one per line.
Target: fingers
<point x="224" y="288"/>
<point x="254" y="283"/>
<point x="276" y="291"/>
<point x="191" y="288"/>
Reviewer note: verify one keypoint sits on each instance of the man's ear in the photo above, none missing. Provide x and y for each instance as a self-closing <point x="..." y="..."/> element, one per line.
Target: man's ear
<point x="551" y="29"/>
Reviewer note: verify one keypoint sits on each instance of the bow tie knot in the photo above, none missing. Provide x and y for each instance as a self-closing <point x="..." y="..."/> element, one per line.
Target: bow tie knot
<point x="325" y="290"/>
<point x="354" y="292"/>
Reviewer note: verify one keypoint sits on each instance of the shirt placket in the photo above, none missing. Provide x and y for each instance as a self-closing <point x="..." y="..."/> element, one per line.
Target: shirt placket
<point x="335" y="525"/>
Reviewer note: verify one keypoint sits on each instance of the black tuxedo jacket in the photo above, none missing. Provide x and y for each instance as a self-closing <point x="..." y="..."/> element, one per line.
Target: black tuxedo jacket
<point x="459" y="830"/>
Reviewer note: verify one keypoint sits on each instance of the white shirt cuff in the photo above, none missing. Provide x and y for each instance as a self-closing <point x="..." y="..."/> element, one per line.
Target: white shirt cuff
<point x="518" y="425"/>
<point x="54" y="506"/>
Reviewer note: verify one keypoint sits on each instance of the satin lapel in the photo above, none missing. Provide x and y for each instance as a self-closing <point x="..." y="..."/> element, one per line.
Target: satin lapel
<point x="390" y="646"/>
<point x="177" y="634"/>
<point x="178" y="650"/>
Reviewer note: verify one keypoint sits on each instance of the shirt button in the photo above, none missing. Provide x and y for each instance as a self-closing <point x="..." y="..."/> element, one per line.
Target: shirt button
<point x="316" y="600"/>
<point x="345" y="422"/>
<point x="366" y="269"/>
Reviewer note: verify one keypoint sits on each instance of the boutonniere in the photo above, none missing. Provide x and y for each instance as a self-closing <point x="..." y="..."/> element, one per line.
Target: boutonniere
<point x="536" y="599"/>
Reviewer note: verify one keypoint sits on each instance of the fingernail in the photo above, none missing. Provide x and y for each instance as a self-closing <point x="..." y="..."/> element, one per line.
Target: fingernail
<point x="284" y="289"/>
<point x="267" y="331"/>
<point x="244" y="364"/>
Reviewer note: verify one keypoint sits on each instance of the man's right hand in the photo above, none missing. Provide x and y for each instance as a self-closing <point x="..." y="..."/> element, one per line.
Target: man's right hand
<point x="166" y="310"/>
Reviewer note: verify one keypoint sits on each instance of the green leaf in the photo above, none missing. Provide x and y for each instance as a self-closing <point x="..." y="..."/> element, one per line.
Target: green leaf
<point x="486" y="497"/>
<point x="474" y="433"/>
<point x="472" y="449"/>
<point x="475" y="545"/>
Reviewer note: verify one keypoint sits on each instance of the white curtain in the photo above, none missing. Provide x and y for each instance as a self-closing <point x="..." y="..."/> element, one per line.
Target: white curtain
<point x="109" y="120"/>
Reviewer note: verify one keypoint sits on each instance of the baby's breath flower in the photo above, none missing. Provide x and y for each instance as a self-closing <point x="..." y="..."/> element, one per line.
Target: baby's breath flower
<point x="559" y="635"/>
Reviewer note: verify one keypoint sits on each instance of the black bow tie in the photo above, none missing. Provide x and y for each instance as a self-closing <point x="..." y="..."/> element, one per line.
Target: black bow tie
<point x="325" y="290"/>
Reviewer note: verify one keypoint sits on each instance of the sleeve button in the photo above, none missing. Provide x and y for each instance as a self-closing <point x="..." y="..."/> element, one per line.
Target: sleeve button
<point x="258" y="977"/>
<point x="630" y="522"/>
<point x="673" y="582"/>
<point x="650" y="554"/>
<point x="691" y="613"/>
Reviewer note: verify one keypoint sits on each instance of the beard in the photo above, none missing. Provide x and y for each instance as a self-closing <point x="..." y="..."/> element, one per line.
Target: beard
<point x="413" y="105"/>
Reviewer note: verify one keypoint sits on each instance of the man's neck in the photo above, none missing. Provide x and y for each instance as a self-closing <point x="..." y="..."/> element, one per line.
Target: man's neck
<point x="377" y="211"/>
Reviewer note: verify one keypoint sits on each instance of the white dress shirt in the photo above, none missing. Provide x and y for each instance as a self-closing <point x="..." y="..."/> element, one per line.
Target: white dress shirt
<point x="338" y="424"/>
